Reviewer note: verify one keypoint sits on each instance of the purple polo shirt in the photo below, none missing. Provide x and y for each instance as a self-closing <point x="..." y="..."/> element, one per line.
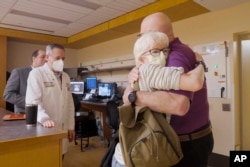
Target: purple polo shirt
<point x="198" y="115"/>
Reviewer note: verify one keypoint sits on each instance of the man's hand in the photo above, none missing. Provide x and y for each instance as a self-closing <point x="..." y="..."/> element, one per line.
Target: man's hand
<point x="125" y="95"/>
<point x="48" y="124"/>
<point x="71" y="135"/>
<point x="198" y="57"/>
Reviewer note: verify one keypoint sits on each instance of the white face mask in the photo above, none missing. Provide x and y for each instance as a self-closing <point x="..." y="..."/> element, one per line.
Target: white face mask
<point x="158" y="60"/>
<point x="58" y="65"/>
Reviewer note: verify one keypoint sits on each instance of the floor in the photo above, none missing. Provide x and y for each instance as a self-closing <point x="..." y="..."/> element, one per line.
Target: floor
<point x="90" y="157"/>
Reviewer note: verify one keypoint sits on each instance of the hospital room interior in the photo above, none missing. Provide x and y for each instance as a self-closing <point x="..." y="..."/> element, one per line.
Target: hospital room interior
<point x="99" y="40"/>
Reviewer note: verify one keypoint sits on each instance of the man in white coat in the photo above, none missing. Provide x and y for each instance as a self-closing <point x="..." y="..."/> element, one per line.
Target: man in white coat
<point x="49" y="87"/>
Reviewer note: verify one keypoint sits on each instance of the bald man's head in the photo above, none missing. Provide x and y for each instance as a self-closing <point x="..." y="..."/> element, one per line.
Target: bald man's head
<point x="158" y="22"/>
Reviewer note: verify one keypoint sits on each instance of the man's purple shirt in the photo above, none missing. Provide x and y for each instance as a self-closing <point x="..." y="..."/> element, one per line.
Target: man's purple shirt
<point x="198" y="115"/>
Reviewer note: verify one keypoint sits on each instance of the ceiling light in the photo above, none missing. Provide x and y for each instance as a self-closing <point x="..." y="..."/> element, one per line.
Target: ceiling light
<point x="83" y="3"/>
<point x="26" y="14"/>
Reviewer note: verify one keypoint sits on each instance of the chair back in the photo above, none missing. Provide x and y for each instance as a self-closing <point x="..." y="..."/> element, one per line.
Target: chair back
<point x="112" y="118"/>
<point x="76" y="101"/>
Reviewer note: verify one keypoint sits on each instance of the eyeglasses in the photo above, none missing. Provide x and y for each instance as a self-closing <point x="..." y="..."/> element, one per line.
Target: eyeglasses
<point x="156" y="52"/>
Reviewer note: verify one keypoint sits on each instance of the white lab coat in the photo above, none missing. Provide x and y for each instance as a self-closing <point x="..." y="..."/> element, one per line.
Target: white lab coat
<point x="53" y="102"/>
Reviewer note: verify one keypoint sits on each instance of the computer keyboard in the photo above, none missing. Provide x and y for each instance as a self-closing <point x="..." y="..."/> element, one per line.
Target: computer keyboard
<point x="96" y="100"/>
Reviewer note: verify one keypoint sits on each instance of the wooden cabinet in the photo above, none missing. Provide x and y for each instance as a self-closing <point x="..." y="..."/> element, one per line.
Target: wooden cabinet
<point x="29" y="146"/>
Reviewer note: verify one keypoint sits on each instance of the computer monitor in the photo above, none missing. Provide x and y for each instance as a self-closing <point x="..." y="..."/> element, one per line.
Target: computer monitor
<point x="91" y="83"/>
<point x="106" y="90"/>
<point x="77" y="87"/>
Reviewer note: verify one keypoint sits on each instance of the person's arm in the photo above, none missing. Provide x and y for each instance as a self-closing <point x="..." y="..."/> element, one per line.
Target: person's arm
<point x="12" y="89"/>
<point x="166" y="78"/>
<point x="34" y="96"/>
<point x="157" y="77"/>
<point x="71" y="113"/>
<point x="193" y="80"/>
<point x="160" y="101"/>
<point x="133" y="75"/>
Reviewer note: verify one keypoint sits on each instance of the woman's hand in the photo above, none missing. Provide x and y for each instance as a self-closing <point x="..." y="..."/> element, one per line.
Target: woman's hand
<point x="133" y="76"/>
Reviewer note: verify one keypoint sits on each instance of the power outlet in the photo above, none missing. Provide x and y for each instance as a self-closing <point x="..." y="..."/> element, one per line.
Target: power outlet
<point x="226" y="107"/>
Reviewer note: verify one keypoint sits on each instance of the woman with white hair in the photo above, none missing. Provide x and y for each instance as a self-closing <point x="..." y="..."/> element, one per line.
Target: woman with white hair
<point x="150" y="52"/>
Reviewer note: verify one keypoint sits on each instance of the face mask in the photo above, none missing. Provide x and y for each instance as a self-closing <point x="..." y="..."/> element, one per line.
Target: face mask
<point x="58" y="65"/>
<point x="158" y="60"/>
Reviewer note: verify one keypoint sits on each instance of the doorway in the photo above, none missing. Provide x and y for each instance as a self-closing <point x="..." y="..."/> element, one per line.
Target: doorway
<point x="242" y="91"/>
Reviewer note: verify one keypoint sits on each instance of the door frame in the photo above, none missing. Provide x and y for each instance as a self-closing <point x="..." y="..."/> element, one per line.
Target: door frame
<point x="237" y="58"/>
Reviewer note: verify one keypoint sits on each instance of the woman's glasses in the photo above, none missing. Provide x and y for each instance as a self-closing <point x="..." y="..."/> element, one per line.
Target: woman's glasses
<point x="156" y="52"/>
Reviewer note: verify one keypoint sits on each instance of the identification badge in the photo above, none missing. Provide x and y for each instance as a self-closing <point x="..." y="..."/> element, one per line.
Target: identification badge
<point x="48" y="84"/>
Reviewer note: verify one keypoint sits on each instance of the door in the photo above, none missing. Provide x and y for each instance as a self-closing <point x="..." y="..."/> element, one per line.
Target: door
<point x="243" y="47"/>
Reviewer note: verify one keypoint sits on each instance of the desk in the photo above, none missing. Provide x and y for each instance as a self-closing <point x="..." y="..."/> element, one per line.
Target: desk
<point x="101" y="107"/>
<point x="29" y="146"/>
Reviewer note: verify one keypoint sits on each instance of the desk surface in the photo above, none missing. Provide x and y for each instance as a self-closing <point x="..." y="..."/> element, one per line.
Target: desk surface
<point x="17" y="129"/>
<point x="94" y="103"/>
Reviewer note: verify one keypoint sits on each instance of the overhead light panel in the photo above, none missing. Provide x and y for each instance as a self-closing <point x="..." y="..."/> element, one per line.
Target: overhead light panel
<point x="36" y="16"/>
<point x="23" y="27"/>
<point x="83" y="3"/>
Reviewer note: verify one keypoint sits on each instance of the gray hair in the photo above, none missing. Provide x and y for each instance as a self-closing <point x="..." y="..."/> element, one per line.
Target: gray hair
<point x="50" y="47"/>
<point x="147" y="41"/>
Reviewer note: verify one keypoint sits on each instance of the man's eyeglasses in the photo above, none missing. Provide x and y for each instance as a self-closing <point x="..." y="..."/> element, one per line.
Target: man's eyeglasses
<point x="156" y="52"/>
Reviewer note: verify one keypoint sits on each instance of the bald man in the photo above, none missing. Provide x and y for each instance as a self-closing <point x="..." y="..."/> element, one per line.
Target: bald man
<point x="189" y="110"/>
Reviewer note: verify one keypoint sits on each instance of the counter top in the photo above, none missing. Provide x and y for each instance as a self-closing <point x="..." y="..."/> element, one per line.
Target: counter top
<point x="17" y="129"/>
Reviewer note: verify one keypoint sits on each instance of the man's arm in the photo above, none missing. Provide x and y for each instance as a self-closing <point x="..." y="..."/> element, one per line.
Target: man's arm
<point x="160" y="101"/>
<point x="34" y="96"/>
<point x="195" y="77"/>
<point x="193" y="80"/>
<point x="12" y="89"/>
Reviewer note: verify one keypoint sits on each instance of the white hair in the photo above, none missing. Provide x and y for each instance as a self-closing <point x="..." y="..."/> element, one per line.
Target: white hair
<point x="49" y="48"/>
<point x="147" y="41"/>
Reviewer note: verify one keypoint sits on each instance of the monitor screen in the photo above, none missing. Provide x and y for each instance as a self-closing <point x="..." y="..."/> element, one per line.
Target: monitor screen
<point x="77" y="87"/>
<point x="106" y="90"/>
<point x="91" y="83"/>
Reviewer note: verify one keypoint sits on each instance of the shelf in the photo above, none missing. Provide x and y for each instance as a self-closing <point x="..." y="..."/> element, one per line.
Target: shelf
<point x="106" y="69"/>
<point x="125" y="64"/>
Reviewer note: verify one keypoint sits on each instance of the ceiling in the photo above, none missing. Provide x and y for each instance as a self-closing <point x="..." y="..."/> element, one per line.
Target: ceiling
<point x="62" y="17"/>
<point x="81" y="23"/>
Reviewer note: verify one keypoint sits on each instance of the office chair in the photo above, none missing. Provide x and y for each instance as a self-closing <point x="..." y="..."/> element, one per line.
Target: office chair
<point x="112" y="116"/>
<point x="85" y="123"/>
<point x="113" y="121"/>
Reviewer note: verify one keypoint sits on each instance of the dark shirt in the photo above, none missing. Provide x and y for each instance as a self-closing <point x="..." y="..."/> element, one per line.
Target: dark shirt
<point x="198" y="115"/>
